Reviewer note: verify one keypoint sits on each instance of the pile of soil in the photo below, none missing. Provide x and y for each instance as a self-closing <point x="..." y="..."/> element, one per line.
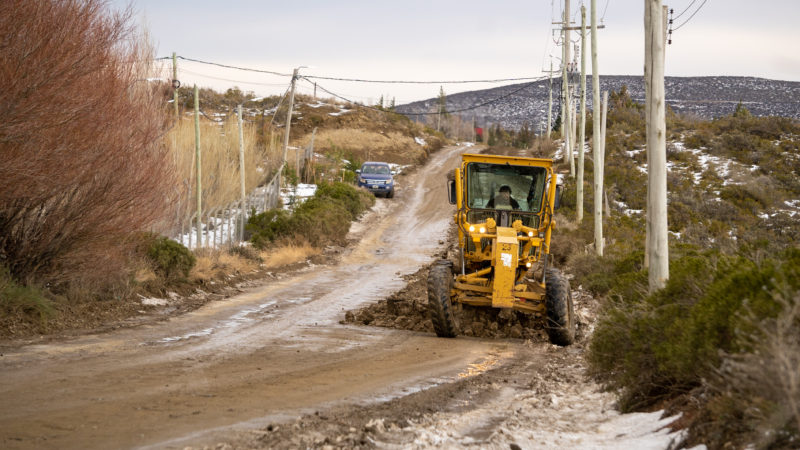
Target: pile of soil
<point x="536" y="370"/>
<point x="407" y="309"/>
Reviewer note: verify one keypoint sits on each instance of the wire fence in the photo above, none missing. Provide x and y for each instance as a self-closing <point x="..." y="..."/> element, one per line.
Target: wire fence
<point x="226" y="225"/>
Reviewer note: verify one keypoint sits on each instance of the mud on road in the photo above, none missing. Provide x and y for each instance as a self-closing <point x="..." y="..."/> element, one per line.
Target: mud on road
<point x="280" y="366"/>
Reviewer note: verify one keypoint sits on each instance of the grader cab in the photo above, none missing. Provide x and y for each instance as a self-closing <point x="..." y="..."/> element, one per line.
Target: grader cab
<point x="504" y="216"/>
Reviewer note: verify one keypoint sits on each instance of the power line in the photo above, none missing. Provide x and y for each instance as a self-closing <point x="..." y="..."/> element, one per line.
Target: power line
<point x="230" y="80"/>
<point x="235" y="67"/>
<point x="469" y="108"/>
<point x="687" y="8"/>
<point x="604" y="11"/>
<point x="498" y="80"/>
<point x="690" y="17"/>
<point x="358" y="80"/>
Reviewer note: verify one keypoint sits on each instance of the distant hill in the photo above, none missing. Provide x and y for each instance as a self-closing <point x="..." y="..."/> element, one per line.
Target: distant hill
<point x="706" y="97"/>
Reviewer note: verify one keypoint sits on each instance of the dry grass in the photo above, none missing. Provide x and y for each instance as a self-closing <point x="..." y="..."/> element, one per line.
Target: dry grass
<point x="219" y="146"/>
<point x="284" y="255"/>
<point x="391" y="146"/>
<point x="216" y="264"/>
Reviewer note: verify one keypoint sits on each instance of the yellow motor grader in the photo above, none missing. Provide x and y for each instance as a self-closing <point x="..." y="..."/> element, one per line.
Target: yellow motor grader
<point x="504" y="216"/>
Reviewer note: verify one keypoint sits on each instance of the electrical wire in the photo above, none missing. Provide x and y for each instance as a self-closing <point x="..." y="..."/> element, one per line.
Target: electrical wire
<point x="235" y="67"/>
<point x="358" y="80"/>
<point x="604" y="11"/>
<point x="230" y="80"/>
<point x="469" y="108"/>
<point x="684" y="11"/>
<point x="690" y="17"/>
<point x="271" y="121"/>
<point x="210" y="118"/>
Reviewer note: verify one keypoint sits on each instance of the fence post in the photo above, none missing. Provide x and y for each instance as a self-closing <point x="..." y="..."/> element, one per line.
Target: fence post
<point x="174" y="87"/>
<point x="197" y="159"/>
<point x="241" y="167"/>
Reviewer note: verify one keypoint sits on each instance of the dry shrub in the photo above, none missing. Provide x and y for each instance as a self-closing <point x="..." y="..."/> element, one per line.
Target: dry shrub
<point x="543" y="147"/>
<point x="762" y="387"/>
<point x="216" y="264"/>
<point x="392" y="146"/>
<point x="219" y="147"/>
<point x="81" y="161"/>
<point x="285" y="254"/>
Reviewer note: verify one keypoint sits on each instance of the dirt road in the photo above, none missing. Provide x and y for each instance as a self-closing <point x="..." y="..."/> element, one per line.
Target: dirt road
<point x="277" y="367"/>
<point x="272" y="352"/>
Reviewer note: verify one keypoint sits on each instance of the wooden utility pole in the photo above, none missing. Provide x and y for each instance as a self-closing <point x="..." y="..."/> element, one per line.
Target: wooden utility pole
<point x="582" y="138"/>
<point x="657" y="235"/>
<point x="647" y="113"/>
<point x="198" y="167"/>
<point x="550" y="102"/>
<point x="241" y="172"/>
<point x="596" y="144"/>
<point x="174" y="88"/>
<point x="289" y="116"/>
<point x="565" y="106"/>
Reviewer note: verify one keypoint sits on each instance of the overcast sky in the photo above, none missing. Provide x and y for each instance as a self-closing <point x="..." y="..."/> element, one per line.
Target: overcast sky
<point x="453" y="40"/>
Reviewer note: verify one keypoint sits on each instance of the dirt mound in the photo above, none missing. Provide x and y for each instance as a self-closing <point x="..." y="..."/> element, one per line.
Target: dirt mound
<point x="407" y="309"/>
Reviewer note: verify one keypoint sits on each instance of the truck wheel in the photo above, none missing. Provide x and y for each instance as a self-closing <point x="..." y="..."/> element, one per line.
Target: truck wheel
<point x="560" y="324"/>
<point x="390" y="194"/>
<point x="440" y="307"/>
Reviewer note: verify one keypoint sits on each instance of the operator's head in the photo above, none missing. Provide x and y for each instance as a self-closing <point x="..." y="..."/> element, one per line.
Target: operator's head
<point x="505" y="188"/>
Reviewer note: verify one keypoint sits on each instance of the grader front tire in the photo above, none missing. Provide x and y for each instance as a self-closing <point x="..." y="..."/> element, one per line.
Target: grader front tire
<point x="560" y="324"/>
<point x="440" y="306"/>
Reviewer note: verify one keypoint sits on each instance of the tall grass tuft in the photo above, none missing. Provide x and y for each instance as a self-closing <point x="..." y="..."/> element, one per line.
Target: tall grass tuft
<point x="219" y="146"/>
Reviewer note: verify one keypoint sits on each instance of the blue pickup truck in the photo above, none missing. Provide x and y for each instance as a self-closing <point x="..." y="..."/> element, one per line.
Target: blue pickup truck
<point x="377" y="177"/>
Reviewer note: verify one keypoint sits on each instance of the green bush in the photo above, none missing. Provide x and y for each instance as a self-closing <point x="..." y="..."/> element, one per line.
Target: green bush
<point x="30" y="300"/>
<point x="268" y="226"/>
<point x="354" y="200"/>
<point x="171" y="259"/>
<point x="665" y="344"/>
<point x="324" y="218"/>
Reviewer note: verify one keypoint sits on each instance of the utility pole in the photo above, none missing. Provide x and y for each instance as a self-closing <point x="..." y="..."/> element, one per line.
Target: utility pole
<point x="657" y="236"/>
<point x="647" y="113"/>
<point x="289" y="116"/>
<point x="197" y="159"/>
<point x="582" y="138"/>
<point x="550" y="101"/>
<point x="241" y="172"/>
<point x="174" y="87"/>
<point x="565" y="119"/>
<point x="596" y="144"/>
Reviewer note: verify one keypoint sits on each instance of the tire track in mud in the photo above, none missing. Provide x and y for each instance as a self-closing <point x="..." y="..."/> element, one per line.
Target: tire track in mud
<point x="273" y="351"/>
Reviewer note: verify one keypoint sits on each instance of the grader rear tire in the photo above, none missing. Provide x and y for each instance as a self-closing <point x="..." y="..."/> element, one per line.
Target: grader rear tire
<point x="440" y="306"/>
<point x="560" y="324"/>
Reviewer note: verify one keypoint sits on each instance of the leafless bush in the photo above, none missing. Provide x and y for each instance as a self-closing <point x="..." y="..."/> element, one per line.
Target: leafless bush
<point x="81" y="162"/>
<point x="764" y="383"/>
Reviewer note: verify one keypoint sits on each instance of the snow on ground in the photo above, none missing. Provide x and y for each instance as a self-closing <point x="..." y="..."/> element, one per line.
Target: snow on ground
<point x="290" y="196"/>
<point x="419" y="141"/>
<point x="152" y="301"/>
<point x="340" y="112"/>
<point x="398" y="168"/>
<point x="554" y="414"/>
<point x="633" y="153"/>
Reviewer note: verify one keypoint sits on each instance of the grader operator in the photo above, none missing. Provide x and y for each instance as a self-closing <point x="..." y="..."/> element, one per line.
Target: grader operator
<point x="504" y="214"/>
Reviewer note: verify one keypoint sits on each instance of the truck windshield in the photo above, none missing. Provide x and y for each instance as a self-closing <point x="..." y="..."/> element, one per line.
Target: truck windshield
<point x="505" y="187"/>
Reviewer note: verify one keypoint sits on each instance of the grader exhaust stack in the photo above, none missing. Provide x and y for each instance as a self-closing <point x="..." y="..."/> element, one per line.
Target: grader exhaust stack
<point x="504" y="216"/>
